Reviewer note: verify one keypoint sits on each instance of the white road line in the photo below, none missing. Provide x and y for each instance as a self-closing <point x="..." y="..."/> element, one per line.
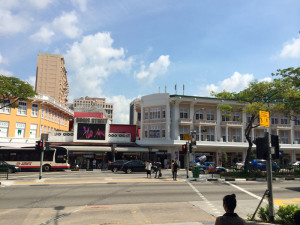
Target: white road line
<point x="216" y="211"/>
<point x="249" y="193"/>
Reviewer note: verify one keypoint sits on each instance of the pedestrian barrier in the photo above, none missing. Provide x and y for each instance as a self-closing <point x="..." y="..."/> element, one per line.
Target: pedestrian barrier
<point x="4" y="173"/>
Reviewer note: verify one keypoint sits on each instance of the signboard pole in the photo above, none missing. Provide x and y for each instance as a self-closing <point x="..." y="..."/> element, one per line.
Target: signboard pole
<point x="269" y="177"/>
<point x="188" y="159"/>
<point x="41" y="162"/>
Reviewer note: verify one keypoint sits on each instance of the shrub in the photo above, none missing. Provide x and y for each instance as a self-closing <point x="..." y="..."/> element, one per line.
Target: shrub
<point x="263" y="213"/>
<point x="286" y="214"/>
<point x="297" y="172"/>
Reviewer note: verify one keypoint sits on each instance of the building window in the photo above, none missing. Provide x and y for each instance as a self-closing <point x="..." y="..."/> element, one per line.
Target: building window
<point x="183" y="113"/>
<point x="210" y="134"/>
<point x="33" y="130"/>
<point x="154" y="131"/>
<point x="146" y="131"/>
<point x="210" y="115"/>
<point x="154" y="113"/>
<point x="225" y="116"/>
<point x="4" y="125"/>
<point x="297" y="120"/>
<point x="236" y="116"/>
<point x="20" y="130"/>
<point x="183" y="130"/>
<point x="145" y="114"/>
<point x="163" y="112"/>
<point x="284" y="120"/>
<point x="43" y="111"/>
<point x="297" y="137"/>
<point x="284" y="137"/>
<point x="274" y="119"/>
<point x="22" y="109"/>
<point x="6" y="108"/>
<point x="35" y="110"/>
<point x="236" y="135"/>
<point x="199" y="114"/>
<point x="224" y="134"/>
<point x="163" y="131"/>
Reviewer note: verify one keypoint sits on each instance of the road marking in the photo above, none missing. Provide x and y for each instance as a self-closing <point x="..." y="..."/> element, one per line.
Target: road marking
<point x="216" y="211"/>
<point x="249" y="193"/>
<point x="285" y="202"/>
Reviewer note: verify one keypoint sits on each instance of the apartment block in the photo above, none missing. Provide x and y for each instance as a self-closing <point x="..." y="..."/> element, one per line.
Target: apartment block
<point x="51" y="77"/>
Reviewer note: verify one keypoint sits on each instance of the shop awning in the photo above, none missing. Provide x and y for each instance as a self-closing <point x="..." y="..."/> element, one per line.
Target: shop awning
<point x="88" y="148"/>
<point x="131" y="149"/>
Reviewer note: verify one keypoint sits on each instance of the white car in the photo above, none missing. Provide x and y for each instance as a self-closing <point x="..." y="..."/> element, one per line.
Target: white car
<point x="296" y="164"/>
<point x="240" y="165"/>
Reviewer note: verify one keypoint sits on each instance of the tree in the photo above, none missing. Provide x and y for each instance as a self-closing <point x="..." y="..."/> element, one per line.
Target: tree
<point x="12" y="90"/>
<point x="266" y="96"/>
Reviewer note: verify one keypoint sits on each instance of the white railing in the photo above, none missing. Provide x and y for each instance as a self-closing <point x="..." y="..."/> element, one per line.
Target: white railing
<point x="185" y="121"/>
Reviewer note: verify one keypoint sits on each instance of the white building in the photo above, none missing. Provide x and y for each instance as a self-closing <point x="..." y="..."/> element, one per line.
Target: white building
<point x="166" y="120"/>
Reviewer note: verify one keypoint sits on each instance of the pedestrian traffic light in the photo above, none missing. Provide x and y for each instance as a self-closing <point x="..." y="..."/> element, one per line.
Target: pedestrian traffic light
<point x="191" y="147"/>
<point x="39" y="146"/>
<point x="184" y="148"/>
<point x="275" y="144"/>
<point x="262" y="147"/>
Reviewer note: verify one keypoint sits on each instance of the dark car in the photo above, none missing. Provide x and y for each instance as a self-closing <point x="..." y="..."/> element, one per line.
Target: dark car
<point x="116" y="165"/>
<point x="134" y="166"/>
<point x="11" y="168"/>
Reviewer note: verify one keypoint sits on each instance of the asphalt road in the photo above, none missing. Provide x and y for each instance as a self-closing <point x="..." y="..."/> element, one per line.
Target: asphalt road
<point x="95" y="197"/>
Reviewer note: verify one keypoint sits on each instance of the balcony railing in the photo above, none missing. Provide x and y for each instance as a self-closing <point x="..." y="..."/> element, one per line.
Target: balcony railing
<point x="185" y="121"/>
<point x="232" y="123"/>
<point x="205" y="122"/>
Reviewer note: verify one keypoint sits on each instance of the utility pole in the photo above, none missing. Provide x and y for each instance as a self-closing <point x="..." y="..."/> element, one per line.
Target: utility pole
<point x="42" y="157"/>
<point x="187" y="159"/>
<point x="269" y="179"/>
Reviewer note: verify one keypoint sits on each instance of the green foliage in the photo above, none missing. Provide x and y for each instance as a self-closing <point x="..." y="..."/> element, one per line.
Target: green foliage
<point x="286" y="214"/>
<point x="297" y="172"/>
<point x="224" y="158"/>
<point x="13" y="89"/>
<point x="263" y="213"/>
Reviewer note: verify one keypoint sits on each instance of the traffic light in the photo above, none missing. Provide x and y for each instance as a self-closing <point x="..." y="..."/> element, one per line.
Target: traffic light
<point x="191" y="147"/>
<point x="39" y="146"/>
<point x="275" y="144"/>
<point x="184" y="148"/>
<point x="262" y="147"/>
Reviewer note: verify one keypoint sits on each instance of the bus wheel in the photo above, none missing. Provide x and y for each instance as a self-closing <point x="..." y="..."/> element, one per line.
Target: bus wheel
<point x="47" y="168"/>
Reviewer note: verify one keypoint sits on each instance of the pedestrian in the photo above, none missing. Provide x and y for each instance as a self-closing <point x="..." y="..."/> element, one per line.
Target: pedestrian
<point x="157" y="169"/>
<point x="94" y="163"/>
<point x="172" y="168"/>
<point x="175" y="168"/>
<point x="229" y="218"/>
<point x="148" y="168"/>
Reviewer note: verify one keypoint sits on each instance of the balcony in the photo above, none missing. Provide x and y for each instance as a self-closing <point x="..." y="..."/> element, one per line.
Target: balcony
<point x="281" y="126"/>
<point x="185" y="121"/>
<point x="205" y="122"/>
<point x="232" y="123"/>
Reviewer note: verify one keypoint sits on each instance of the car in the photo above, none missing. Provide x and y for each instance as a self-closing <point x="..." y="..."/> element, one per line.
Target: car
<point x="116" y="165"/>
<point x="134" y="166"/>
<point x="260" y="164"/>
<point x="221" y="169"/>
<point x="296" y="164"/>
<point x="11" y="168"/>
<point x="240" y="165"/>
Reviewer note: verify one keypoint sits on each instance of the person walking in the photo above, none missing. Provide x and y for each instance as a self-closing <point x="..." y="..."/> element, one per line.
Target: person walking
<point x="157" y="169"/>
<point x="175" y="168"/>
<point x="229" y="218"/>
<point x="148" y="168"/>
<point x="172" y="168"/>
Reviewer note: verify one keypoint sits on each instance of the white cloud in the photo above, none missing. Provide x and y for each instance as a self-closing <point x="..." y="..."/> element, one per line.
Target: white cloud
<point x="40" y="4"/>
<point x="121" y="108"/>
<point x="2" y="60"/>
<point x="235" y="83"/>
<point x="92" y="61"/>
<point x="81" y="4"/>
<point x="6" y="72"/>
<point x="155" y="68"/>
<point x="43" y="35"/>
<point x="31" y="81"/>
<point x="11" y="23"/>
<point x="291" y="50"/>
<point x="66" y="24"/>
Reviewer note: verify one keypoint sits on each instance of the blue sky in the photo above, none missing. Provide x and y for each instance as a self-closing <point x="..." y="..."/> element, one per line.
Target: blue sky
<point x="125" y="49"/>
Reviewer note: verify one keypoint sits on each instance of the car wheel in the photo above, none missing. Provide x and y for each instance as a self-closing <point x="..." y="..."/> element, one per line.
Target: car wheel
<point x="46" y="168"/>
<point x="115" y="170"/>
<point x="128" y="170"/>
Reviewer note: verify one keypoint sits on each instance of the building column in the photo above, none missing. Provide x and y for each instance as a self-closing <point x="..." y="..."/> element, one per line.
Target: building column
<point x="192" y="112"/>
<point x="227" y="133"/>
<point x="142" y="121"/>
<point x="219" y="130"/>
<point x="293" y="156"/>
<point x="219" y="157"/>
<point x="168" y="122"/>
<point x="244" y="126"/>
<point x="292" y="132"/>
<point x="175" y="123"/>
<point x="244" y="154"/>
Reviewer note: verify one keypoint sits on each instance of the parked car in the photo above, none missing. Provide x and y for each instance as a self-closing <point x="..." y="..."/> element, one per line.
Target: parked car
<point x="221" y="169"/>
<point x="260" y="164"/>
<point x="11" y="168"/>
<point x="134" y="166"/>
<point x="116" y="165"/>
<point x="296" y="164"/>
<point x="240" y="165"/>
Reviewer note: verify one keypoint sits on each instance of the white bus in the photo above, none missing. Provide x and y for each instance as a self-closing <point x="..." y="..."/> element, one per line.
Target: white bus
<point x="29" y="159"/>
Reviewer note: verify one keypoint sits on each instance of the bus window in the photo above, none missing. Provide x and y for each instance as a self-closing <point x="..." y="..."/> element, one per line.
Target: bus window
<point x="61" y="155"/>
<point x="48" y="155"/>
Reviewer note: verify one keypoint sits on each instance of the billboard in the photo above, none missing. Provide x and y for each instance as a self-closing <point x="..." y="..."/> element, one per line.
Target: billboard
<point x="87" y="131"/>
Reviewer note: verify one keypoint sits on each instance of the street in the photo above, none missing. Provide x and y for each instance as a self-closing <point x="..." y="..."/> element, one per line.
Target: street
<point x="103" y="197"/>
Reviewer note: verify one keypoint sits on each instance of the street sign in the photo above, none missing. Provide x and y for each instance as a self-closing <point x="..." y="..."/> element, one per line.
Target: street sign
<point x="264" y="119"/>
<point x="186" y="137"/>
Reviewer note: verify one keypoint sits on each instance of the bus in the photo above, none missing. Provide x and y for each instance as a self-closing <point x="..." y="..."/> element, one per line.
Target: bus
<point x="29" y="159"/>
